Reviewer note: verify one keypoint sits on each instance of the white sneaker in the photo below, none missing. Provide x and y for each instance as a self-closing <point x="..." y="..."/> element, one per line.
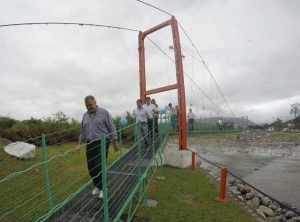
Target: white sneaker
<point x="101" y="194"/>
<point x="95" y="191"/>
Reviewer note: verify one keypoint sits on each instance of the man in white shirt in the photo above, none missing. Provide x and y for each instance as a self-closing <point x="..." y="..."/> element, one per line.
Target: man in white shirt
<point x="191" y="120"/>
<point x="151" y="109"/>
<point x="142" y="115"/>
<point x="156" y="115"/>
<point x="174" y="117"/>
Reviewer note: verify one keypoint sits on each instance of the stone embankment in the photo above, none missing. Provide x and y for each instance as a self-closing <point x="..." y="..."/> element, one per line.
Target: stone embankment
<point x="263" y="206"/>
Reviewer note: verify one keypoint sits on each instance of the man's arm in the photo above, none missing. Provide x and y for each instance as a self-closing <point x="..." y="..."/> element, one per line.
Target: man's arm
<point x="112" y="130"/>
<point x="81" y="136"/>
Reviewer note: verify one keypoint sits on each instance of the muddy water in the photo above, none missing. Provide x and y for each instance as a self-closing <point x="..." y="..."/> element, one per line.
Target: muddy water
<point x="274" y="171"/>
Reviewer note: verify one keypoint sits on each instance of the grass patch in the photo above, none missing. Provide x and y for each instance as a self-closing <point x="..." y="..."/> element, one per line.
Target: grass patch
<point x="188" y="195"/>
<point x="24" y="197"/>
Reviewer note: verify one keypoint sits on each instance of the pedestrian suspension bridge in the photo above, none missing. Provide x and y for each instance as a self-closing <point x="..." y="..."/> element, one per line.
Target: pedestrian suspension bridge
<point x="56" y="187"/>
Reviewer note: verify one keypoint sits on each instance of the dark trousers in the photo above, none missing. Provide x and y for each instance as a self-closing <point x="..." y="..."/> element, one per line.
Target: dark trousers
<point x="150" y="126"/>
<point x="191" y="124"/>
<point x="93" y="157"/>
<point x="156" y="124"/>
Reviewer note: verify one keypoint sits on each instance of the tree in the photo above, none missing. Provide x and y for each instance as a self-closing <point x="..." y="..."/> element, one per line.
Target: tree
<point x="295" y="109"/>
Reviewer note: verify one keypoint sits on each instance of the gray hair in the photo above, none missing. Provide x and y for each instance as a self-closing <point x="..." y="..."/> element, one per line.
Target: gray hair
<point x="89" y="98"/>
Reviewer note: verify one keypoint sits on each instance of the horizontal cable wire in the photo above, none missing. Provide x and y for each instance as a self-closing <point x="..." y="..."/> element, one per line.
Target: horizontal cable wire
<point x="69" y="23"/>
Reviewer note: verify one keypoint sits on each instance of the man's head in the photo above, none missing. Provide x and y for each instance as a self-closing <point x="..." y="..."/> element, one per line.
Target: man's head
<point x="153" y="101"/>
<point x="148" y="100"/>
<point x="139" y="103"/>
<point x="170" y="105"/>
<point x="90" y="104"/>
<point x="190" y="110"/>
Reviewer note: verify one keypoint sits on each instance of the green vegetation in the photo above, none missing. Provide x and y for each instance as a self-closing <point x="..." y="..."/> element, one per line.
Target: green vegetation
<point x="21" y="130"/>
<point x="26" y="130"/>
<point x="188" y="195"/>
<point x="25" y="195"/>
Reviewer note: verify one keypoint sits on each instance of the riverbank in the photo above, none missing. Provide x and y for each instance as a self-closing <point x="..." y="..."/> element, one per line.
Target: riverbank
<point x="187" y="195"/>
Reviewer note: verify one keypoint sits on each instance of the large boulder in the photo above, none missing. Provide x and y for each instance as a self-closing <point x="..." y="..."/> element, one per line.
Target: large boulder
<point x="20" y="150"/>
<point x="267" y="211"/>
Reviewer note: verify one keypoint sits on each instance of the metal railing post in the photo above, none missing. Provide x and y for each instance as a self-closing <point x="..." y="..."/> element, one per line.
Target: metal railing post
<point x="120" y="139"/>
<point x="104" y="178"/>
<point x="222" y="191"/>
<point x="139" y="150"/>
<point x="46" y="170"/>
<point x="193" y="160"/>
<point x="153" y="137"/>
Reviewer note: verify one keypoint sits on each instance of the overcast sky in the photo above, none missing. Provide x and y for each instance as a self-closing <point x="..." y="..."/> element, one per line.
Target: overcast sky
<point x="251" y="47"/>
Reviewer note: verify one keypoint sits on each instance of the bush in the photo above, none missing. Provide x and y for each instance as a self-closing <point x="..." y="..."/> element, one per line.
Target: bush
<point x="6" y="122"/>
<point x="59" y="129"/>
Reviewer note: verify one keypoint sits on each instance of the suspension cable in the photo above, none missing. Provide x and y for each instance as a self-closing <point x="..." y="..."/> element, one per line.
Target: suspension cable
<point x="69" y="23"/>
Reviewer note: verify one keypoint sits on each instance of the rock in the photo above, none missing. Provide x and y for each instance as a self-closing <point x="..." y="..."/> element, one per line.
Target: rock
<point x="273" y="206"/>
<point x="241" y="198"/>
<point x="261" y="213"/>
<point x="249" y="195"/>
<point x="290" y="214"/>
<point x="232" y="182"/>
<point x="248" y="189"/>
<point x="274" y="219"/>
<point x="260" y="195"/>
<point x="294" y="219"/>
<point x="234" y="191"/>
<point x="21" y="150"/>
<point x="267" y="211"/>
<point x="278" y="211"/>
<point x="242" y="188"/>
<point x="254" y="203"/>
<point x="265" y="201"/>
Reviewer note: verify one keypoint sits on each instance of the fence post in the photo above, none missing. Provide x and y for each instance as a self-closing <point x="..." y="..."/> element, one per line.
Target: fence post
<point x="120" y="139"/>
<point x="104" y="177"/>
<point x="193" y="160"/>
<point x="139" y="149"/>
<point x="153" y="136"/>
<point x="222" y="191"/>
<point x="46" y="172"/>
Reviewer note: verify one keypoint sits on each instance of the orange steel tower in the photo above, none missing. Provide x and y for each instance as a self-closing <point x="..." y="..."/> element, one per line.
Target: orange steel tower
<point x="179" y="76"/>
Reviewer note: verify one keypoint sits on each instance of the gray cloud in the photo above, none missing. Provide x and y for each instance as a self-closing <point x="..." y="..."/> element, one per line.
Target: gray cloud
<point x="252" y="48"/>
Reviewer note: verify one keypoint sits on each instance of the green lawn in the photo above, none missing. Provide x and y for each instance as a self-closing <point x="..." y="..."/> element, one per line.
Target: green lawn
<point x="24" y="197"/>
<point x="187" y="195"/>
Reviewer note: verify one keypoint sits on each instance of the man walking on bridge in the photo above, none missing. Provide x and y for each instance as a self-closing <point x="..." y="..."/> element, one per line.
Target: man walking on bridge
<point x="152" y="110"/>
<point x="96" y="122"/>
<point x="191" y="118"/>
<point x="141" y="116"/>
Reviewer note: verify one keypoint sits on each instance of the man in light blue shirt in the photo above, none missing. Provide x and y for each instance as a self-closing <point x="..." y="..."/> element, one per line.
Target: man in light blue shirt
<point x="95" y="122"/>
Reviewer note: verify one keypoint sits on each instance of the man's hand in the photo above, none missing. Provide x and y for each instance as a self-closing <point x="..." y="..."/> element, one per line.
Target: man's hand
<point x="116" y="146"/>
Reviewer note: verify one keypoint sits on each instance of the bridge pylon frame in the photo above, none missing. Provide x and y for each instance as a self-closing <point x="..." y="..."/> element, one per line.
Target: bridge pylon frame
<point x="179" y="76"/>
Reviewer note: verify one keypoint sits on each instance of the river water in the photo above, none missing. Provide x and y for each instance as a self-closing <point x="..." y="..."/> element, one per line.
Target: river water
<point x="274" y="171"/>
